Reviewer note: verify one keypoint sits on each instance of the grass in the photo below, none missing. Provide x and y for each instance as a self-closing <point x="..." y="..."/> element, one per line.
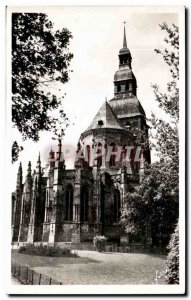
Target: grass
<point x="92" y="267"/>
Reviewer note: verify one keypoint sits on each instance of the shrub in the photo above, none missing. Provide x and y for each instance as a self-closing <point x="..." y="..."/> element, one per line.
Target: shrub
<point x="99" y="243"/>
<point x="22" y="249"/>
<point x="173" y="258"/>
<point x="43" y="250"/>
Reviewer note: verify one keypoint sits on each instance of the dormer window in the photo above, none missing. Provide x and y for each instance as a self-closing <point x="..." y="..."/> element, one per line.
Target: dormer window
<point x="100" y="122"/>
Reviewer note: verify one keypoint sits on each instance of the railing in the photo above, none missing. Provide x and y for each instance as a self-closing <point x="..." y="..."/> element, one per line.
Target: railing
<point x="135" y="249"/>
<point x="30" y="277"/>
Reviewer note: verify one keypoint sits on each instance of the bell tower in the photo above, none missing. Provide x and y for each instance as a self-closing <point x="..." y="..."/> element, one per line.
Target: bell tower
<point x="124" y="53"/>
<point x="125" y="103"/>
<point x="124" y="79"/>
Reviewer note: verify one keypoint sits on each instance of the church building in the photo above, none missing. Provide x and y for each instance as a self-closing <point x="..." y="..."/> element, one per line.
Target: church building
<point x="55" y="205"/>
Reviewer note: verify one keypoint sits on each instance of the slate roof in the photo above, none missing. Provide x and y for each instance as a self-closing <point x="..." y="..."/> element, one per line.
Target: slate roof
<point x="124" y="73"/>
<point x="126" y="106"/>
<point x="107" y="116"/>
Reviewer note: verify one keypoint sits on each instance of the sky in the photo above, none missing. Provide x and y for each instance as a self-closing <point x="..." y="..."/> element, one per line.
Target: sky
<point x="97" y="38"/>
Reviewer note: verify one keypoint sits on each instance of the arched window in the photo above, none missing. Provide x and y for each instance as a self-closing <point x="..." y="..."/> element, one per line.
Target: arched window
<point x="117" y="205"/>
<point x="123" y="154"/>
<point x="112" y="156"/>
<point x="132" y="158"/>
<point x="87" y="155"/>
<point x="99" y="153"/>
<point x="84" y="196"/>
<point x="69" y="203"/>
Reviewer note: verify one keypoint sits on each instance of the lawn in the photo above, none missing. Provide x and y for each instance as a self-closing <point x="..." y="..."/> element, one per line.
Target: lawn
<point x="92" y="267"/>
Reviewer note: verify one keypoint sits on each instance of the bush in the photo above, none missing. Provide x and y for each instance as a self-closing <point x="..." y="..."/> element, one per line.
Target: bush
<point x="173" y="258"/>
<point x="43" y="250"/>
<point x="99" y="243"/>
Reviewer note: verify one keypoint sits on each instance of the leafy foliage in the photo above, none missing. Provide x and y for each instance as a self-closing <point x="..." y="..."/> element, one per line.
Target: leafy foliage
<point x="40" y="57"/>
<point x="152" y="204"/>
<point x="173" y="258"/>
<point x="169" y="101"/>
<point x="99" y="243"/>
<point x="16" y="149"/>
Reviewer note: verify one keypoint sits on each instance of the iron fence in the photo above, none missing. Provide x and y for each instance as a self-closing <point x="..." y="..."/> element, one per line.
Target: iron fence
<point x="28" y="276"/>
<point x="135" y="249"/>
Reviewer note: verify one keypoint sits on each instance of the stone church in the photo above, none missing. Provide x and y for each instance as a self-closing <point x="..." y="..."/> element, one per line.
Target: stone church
<point x="55" y="205"/>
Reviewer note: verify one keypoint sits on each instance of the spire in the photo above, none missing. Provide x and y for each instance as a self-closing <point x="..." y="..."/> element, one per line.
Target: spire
<point x="39" y="158"/>
<point x="29" y="170"/>
<point x="20" y="169"/>
<point x="38" y="166"/>
<point x="59" y="152"/>
<point x="51" y="154"/>
<point x="124" y="53"/>
<point x="29" y="167"/>
<point x="124" y="38"/>
<point x="19" y="176"/>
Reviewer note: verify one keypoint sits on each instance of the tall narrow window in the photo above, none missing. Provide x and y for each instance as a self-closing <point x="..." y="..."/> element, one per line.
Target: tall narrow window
<point x="69" y="203"/>
<point x="99" y="155"/>
<point x="123" y="154"/>
<point x="117" y="205"/>
<point x="87" y="155"/>
<point x="84" y="204"/>
<point x="113" y="155"/>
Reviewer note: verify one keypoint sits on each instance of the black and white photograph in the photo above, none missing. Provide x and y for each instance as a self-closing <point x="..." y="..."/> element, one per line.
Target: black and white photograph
<point x="96" y="131"/>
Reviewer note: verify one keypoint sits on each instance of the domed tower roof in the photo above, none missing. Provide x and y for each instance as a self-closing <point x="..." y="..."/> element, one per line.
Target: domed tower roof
<point x="124" y="74"/>
<point x="125" y="107"/>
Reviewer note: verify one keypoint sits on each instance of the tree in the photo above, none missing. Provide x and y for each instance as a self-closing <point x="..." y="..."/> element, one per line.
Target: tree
<point x="40" y="57"/>
<point x="155" y="201"/>
<point x="151" y="204"/>
<point x="173" y="258"/>
<point x="167" y="135"/>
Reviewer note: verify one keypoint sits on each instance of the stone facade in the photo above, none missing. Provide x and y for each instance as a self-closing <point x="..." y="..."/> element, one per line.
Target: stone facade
<point x="55" y="205"/>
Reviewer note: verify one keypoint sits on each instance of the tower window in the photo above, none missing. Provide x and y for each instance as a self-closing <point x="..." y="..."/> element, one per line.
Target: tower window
<point x="127" y="86"/>
<point x="100" y="122"/>
<point x="118" y="88"/>
<point x="130" y="86"/>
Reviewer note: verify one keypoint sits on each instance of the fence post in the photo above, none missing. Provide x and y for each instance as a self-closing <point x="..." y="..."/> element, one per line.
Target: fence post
<point x="156" y="278"/>
<point x="50" y="282"/>
<point x="27" y="276"/>
<point x="39" y="281"/>
<point x="32" y="277"/>
<point x="19" y="273"/>
<point x="15" y="270"/>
